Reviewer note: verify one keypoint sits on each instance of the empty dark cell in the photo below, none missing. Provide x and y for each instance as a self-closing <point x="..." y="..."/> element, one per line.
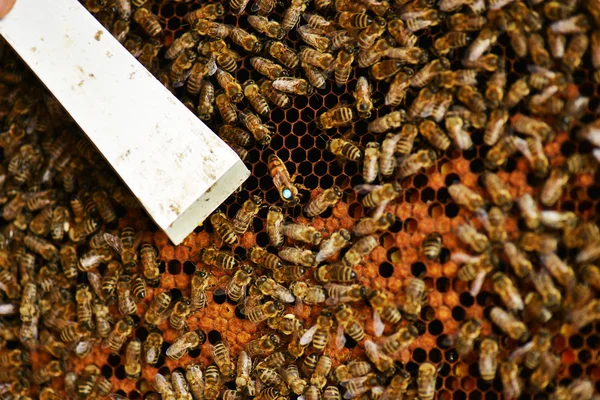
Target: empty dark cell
<point x="174" y="267"/>
<point x="174" y="23"/>
<point x="443" y="196"/>
<point x="597" y="210"/>
<point x="435" y="355"/>
<point x="315" y="101"/>
<point x="284" y="128"/>
<point x="491" y="395"/>
<point x="305" y="169"/>
<point x="451" y="179"/>
<point x="300" y="102"/>
<point x="298" y="155"/>
<point x="427" y="195"/>
<point x="162" y="267"/>
<point x="575" y="341"/>
<point x="475" y="395"/>
<point x="477" y="137"/>
<point x="568" y="148"/>
<point x="451" y="210"/>
<point x="584" y="356"/>
<point x="459" y="395"/>
<point x="511" y="165"/>
<point x="238" y="313"/>
<point x="470" y="154"/>
<point x="534" y="180"/>
<point x="567" y="206"/>
<point x="585" y="206"/>
<point x="350" y="343"/>
<point x="120" y="210"/>
<point x="418" y="269"/>
<point x="326" y="181"/>
<point x="451" y="355"/>
<point x="330" y="101"/>
<point x="219" y="296"/>
<point x="411" y="225"/>
<point x="483" y="298"/>
<point x="458" y="313"/>
<point x="107" y="371"/>
<point x="195" y="353"/>
<point x="320" y="168"/>
<point x="593" y="192"/>
<point x="360" y="126"/>
<point x="276" y="143"/>
<point x="114" y="359"/>
<point x="386" y="270"/>
<point x="477" y="166"/>
<point x="442" y="285"/>
<point x="175" y="295"/>
<point x="435" y="327"/>
<point x="335" y="168"/>
<point x="412" y="368"/>
<point x="134" y="395"/>
<point x="277" y="115"/>
<point x="575" y="370"/>
<point x="167" y="10"/>
<point x="411" y="195"/>
<point x="350" y="168"/>
<point x="420" y="180"/>
<point x="291" y="114"/>
<point x="419" y="355"/>
<point x="466" y="299"/>
<point x="214" y="337"/>
<point x="291" y="141"/>
<point x="141" y="333"/>
<point x="120" y="372"/>
<point x="307" y="142"/>
<point x="189" y="268"/>
<point x="444" y="255"/>
<point x="396" y="227"/>
<point x="520" y="66"/>
<point x="181" y="9"/>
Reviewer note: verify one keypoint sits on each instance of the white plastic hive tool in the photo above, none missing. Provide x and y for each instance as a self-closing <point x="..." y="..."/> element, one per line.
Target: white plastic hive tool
<point x="177" y="167"/>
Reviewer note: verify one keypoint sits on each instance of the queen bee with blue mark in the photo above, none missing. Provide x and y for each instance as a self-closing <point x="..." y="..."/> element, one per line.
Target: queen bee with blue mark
<point x="287" y="189"/>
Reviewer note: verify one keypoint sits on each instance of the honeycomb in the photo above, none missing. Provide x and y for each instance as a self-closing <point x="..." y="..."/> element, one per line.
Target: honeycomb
<point x="425" y="206"/>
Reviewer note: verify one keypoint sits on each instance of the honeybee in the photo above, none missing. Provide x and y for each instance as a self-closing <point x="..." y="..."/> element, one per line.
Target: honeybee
<point x="269" y="287"/>
<point x="246" y="40"/>
<point x="230" y="85"/>
<point x="264" y="311"/>
<point x="514" y="328"/>
<point x="382" y="361"/>
<point x="347" y="322"/>
<point x="494" y="94"/>
<point x="327" y="198"/>
<point x="416" y="162"/>
<point x="125" y="299"/>
<point x="488" y="358"/>
<point x="432" y="245"/>
<point x="40" y="246"/>
<point x="246" y="214"/>
<point x="362" y="247"/>
<point x="156" y="310"/>
<point x="534" y="306"/>
<point x="288" y="274"/>
<point x="224" y="228"/>
<point x="178" y="317"/>
<point x="434" y="135"/>
<point x="415" y="297"/>
<point x="380" y="196"/>
<point x="153" y="347"/>
<point x="187" y="41"/>
<point x="371" y="162"/>
<point x="263" y="346"/>
<point x="150" y="263"/>
<point x="277" y="98"/>
<point x="398" y="88"/>
<point x="262" y="257"/>
<point x="206" y="100"/>
<point x="292" y="14"/>
<point x="293" y="86"/>
<point x="314" y="38"/>
<point x="335" y="117"/>
<point x="59" y="223"/>
<point x="126" y="245"/>
<point x="221" y="357"/>
<point x="495" y="126"/>
<point x="343" y="65"/>
<point x="288" y="190"/>
<point x="329" y="247"/>
<point x="53" y="369"/>
<point x="426" y="74"/>
<point x="554" y="186"/>
<point x="116" y="338"/>
<point x="426" y="381"/>
<point x="83" y="297"/>
<point x="302" y="233"/>
<point x="519" y="90"/>
<point x="560" y="271"/>
<point x="464" y="196"/>
<point x="235" y="134"/>
<point x="274" y="221"/>
<point x="459" y="136"/>
<point x="148" y="22"/>
<point x="543" y="375"/>
<point x="319" y="333"/>
<point x="530" y="126"/>
<point x="184" y="343"/>
<point x="467" y="335"/>
<point x="133" y="366"/>
<point x="227" y="109"/>
<point x="362" y="95"/>
<point x="267" y="68"/>
<point x="298" y="256"/>
<point x="282" y="53"/>
<point x="383" y="70"/>
<point x="590" y="274"/>
<point x="218" y="259"/>
<point x="534" y="350"/>
<point x="208" y="11"/>
<point x="308" y="294"/>
<point x="286" y="324"/>
<point x="163" y="387"/>
<point x="382" y="308"/>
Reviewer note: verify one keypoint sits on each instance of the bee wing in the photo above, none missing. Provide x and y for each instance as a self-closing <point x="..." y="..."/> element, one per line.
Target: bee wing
<point x="340" y="339"/>
<point x="151" y="353"/>
<point x="96" y="283"/>
<point x="518" y="354"/>
<point x="365" y="188"/>
<point x="114" y="242"/>
<point x="378" y="325"/>
<point x="8" y="309"/>
<point x="308" y="335"/>
<point x="482" y="216"/>
<point x="463" y="258"/>
<point x="478" y="283"/>
<point x="285" y="295"/>
<point x="380" y="209"/>
<point x="211" y="65"/>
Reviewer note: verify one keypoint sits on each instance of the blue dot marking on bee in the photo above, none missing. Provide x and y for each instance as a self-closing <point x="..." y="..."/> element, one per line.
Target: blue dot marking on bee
<point x="287" y="194"/>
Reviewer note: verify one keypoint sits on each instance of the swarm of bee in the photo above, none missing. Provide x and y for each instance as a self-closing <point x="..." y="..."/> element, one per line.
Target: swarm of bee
<point x="82" y="279"/>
